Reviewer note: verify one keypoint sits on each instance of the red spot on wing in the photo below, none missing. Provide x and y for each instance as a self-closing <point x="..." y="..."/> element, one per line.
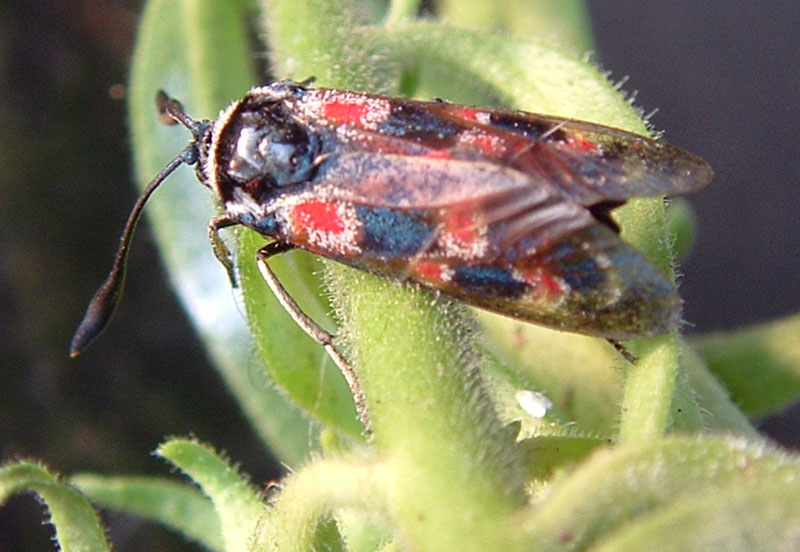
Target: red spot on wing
<point x="319" y="216"/>
<point x="432" y="272"/>
<point x="461" y="226"/>
<point x="345" y="112"/>
<point x="481" y="141"/>
<point x="579" y="143"/>
<point x="544" y="285"/>
<point x="466" y="113"/>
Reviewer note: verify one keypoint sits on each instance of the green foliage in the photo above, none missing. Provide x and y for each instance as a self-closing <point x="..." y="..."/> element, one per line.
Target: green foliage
<point x="181" y="507"/>
<point x="760" y="366"/>
<point x="628" y="457"/>
<point x="76" y="523"/>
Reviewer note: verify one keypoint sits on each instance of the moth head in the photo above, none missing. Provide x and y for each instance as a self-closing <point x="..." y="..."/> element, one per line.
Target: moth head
<point x="258" y="147"/>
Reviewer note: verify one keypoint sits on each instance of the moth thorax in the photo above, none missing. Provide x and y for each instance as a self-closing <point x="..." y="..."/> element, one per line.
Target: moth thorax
<point x="265" y="147"/>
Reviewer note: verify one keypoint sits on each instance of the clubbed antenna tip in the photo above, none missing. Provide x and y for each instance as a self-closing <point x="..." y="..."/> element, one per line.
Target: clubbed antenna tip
<point x="108" y="296"/>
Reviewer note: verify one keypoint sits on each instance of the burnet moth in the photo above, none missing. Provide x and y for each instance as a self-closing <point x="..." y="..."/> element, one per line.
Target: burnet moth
<point x="504" y="210"/>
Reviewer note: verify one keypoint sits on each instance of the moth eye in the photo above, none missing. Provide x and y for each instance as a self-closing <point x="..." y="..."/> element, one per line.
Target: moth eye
<point x="282" y="156"/>
<point x="247" y="161"/>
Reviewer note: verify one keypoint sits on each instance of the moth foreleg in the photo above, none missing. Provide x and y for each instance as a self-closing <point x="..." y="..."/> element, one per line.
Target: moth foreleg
<point x="221" y="251"/>
<point x="314" y="330"/>
<point x="621" y="349"/>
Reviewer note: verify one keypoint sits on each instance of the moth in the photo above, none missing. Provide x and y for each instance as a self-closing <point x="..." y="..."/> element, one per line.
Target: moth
<point x="503" y="210"/>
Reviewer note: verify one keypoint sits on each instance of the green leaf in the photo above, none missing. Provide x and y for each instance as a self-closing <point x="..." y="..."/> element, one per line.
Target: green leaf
<point x="682" y="223"/>
<point x="362" y="530"/>
<point x="564" y="23"/>
<point x="759" y="365"/>
<point x="178" y="506"/>
<point x="403" y="362"/>
<point x="524" y="74"/>
<point x="236" y="503"/>
<point x="548" y="454"/>
<point x="198" y="52"/>
<point x="310" y="497"/>
<point x="295" y="362"/>
<point x="77" y="525"/>
<point x="721" y="414"/>
<point x="616" y="488"/>
<point x="732" y="518"/>
<point x="580" y="375"/>
<point x="322" y="39"/>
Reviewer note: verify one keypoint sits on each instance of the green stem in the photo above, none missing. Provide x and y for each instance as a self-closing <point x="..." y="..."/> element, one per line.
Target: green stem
<point x="313" y="494"/>
<point x="651" y="401"/>
<point x="455" y="474"/>
<point x="400" y="10"/>
<point x="457" y="477"/>
<point x="656" y="393"/>
<point x="318" y="39"/>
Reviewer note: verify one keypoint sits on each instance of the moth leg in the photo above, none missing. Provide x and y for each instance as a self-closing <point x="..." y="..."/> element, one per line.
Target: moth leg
<point x="621" y="349"/>
<point x="221" y="251"/>
<point x="314" y="330"/>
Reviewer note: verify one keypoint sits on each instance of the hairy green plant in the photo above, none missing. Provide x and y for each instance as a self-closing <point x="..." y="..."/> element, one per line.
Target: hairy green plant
<point x="629" y="457"/>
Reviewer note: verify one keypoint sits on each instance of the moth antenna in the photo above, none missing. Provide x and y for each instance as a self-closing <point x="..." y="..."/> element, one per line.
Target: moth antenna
<point x="107" y="297"/>
<point x="170" y="111"/>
